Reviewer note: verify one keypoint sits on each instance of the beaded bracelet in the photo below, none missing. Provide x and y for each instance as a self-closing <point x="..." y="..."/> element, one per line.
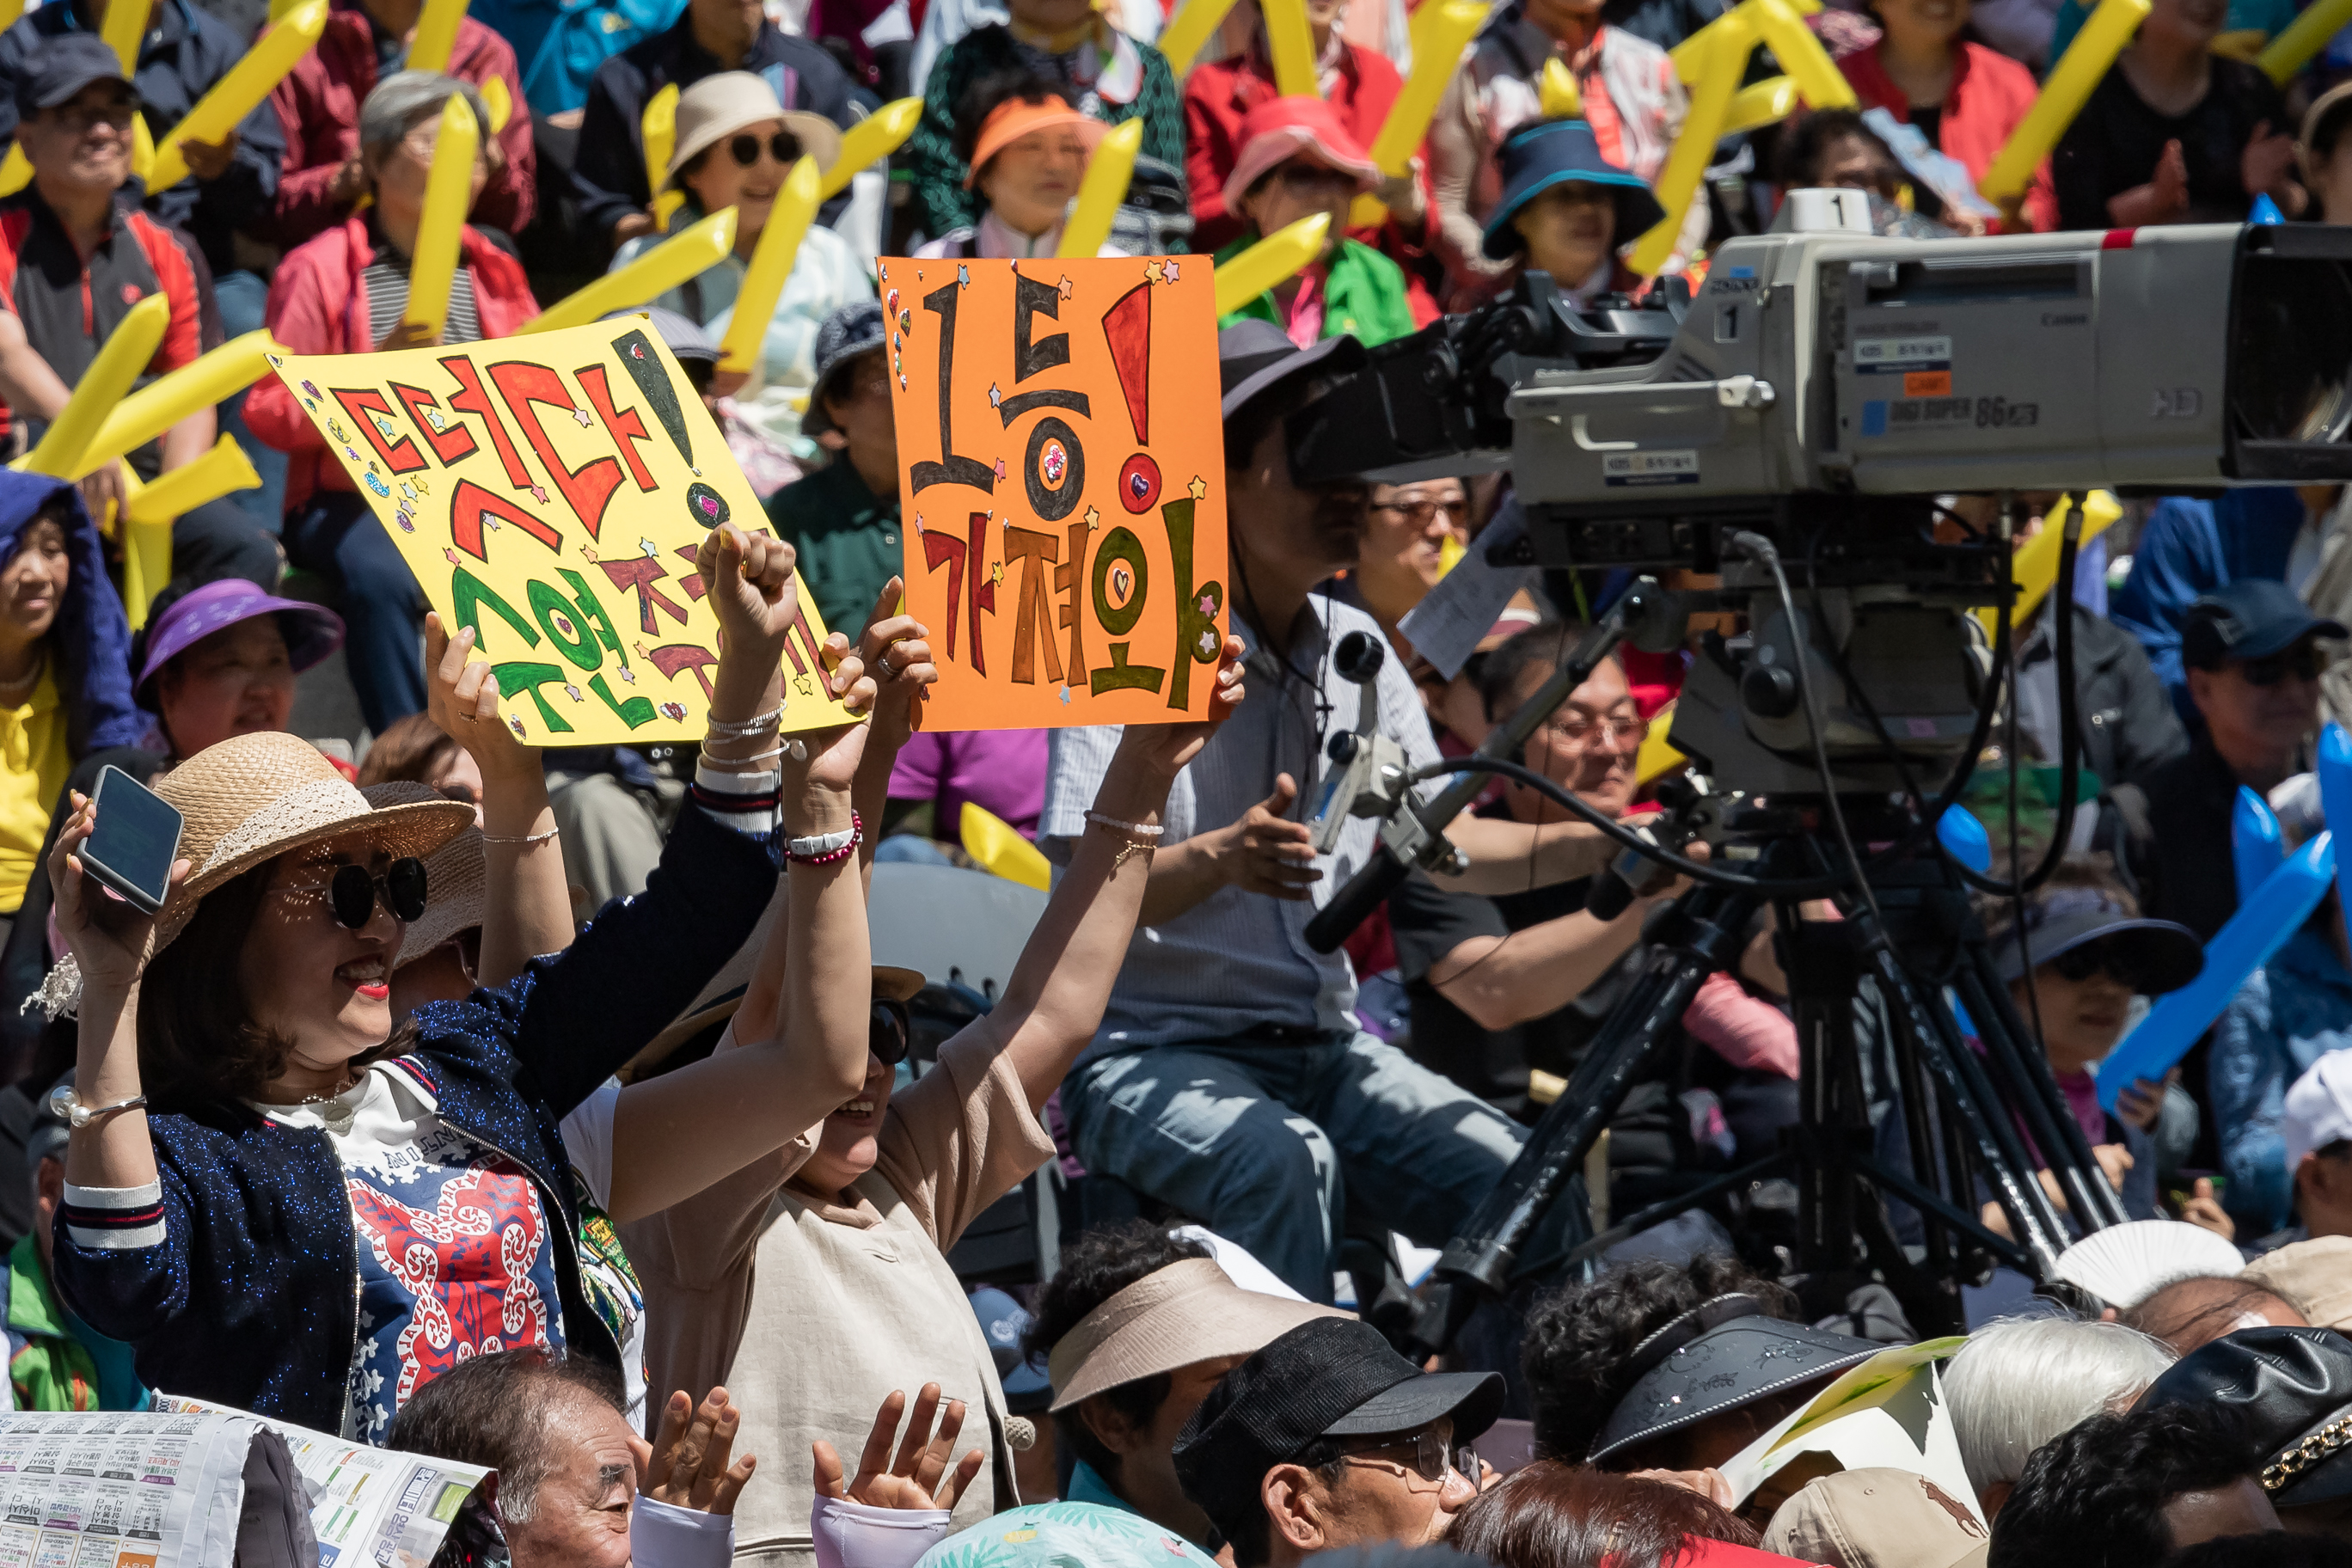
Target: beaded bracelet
<point x="1099" y="820"/>
<point x="826" y="848"/>
<point x="521" y="838"/>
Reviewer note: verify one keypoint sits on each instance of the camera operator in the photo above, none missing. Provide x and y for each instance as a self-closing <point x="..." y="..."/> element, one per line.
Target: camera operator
<point x="1527" y="979"/>
<point x="1230" y="1078"/>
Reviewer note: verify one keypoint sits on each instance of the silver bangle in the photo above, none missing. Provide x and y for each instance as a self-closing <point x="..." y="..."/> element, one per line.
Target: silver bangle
<point x="734" y="729"/>
<point x="1138" y="828"/>
<point x="66" y="1106"/>
<point x="521" y="838"/>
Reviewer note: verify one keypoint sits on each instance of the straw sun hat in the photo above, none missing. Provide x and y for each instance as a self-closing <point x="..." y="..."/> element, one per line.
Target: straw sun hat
<point x="724" y="102"/>
<point x="252" y="798"/>
<point x="457" y="875"/>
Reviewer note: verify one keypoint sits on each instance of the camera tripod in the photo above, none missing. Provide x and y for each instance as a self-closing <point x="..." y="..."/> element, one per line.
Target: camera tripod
<point x="1961" y="1107"/>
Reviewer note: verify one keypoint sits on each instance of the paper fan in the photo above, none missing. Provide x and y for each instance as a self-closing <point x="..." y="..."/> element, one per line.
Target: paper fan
<point x="2124" y="1265"/>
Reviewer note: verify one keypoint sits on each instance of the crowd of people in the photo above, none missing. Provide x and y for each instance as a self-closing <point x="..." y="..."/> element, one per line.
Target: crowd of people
<point x="555" y="1111"/>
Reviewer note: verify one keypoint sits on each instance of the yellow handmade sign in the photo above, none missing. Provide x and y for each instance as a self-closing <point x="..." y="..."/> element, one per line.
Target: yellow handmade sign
<point x="552" y="492"/>
<point x="1066" y="485"/>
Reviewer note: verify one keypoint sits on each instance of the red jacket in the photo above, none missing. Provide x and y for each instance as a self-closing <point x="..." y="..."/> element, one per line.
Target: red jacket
<point x="1990" y="94"/>
<point x="1218" y="94"/>
<point x="317" y="306"/>
<point x="319" y="105"/>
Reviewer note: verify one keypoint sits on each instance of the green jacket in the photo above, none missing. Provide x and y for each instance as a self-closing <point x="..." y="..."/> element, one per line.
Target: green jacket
<point x="847" y="540"/>
<point x="1364" y="293"/>
<point x="57" y="1362"/>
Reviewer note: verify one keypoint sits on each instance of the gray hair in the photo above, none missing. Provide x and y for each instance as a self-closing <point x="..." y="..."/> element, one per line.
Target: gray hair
<point x="405" y="100"/>
<point x="2020" y="1382"/>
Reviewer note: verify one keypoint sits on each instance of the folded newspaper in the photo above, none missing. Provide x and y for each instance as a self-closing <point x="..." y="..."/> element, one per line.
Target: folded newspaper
<point x="367" y="1505"/>
<point x="1889" y="1411"/>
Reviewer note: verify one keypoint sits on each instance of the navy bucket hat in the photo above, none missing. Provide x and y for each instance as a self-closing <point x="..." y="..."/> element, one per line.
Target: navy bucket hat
<point x="1559" y="153"/>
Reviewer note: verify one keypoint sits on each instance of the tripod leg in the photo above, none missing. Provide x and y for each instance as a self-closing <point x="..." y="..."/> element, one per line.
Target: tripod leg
<point x="1481" y="1257"/>
<point x="2039" y="1098"/>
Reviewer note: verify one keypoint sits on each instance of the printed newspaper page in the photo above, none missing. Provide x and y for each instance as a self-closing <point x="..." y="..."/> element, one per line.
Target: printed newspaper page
<point x="121" y="1488"/>
<point x="367" y="1505"/>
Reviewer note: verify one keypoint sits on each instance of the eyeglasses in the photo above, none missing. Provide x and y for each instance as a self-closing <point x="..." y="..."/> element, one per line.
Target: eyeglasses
<point x="2093" y="957"/>
<point x="783" y="146"/>
<point x="2302" y="661"/>
<point x="890" y="1032"/>
<point x="1432" y="1453"/>
<point x="1420" y="512"/>
<point x="1575" y="730"/>
<point x="352" y="893"/>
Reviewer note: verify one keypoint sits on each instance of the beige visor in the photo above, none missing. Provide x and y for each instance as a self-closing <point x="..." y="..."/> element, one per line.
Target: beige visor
<point x="1173" y="1317"/>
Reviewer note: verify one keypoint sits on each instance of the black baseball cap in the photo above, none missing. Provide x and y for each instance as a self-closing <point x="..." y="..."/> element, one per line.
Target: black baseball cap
<point x="2253" y="618"/>
<point x="61" y="67"/>
<point x="1254" y="357"/>
<point x="2162" y="955"/>
<point x="1332" y="1377"/>
<point x="2292" y="1388"/>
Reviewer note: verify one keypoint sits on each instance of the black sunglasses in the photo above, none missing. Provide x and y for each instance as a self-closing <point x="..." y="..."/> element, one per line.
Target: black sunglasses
<point x="745" y="149"/>
<point x="890" y="1033"/>
<point x="351" y="892"/>
<point x="2081" y="963"/>
<point x="2302" y="661"/>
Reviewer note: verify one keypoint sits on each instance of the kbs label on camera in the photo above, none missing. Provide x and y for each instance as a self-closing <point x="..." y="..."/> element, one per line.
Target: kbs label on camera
<point x="1900" y="356"/>
<point x="1911" y="415"/>
<point x="1641" y="469"/>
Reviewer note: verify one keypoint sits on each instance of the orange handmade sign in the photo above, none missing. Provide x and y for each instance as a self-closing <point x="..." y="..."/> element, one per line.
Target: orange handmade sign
<point x="552" y="492"/>
<point x="1062" y="464"/>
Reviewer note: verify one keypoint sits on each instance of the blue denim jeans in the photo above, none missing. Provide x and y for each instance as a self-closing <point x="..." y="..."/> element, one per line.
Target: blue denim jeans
<point x="1266" y="1143"/>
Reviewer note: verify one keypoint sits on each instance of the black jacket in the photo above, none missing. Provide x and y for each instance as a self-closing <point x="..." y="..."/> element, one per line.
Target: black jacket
<point x="2128" y="727"/>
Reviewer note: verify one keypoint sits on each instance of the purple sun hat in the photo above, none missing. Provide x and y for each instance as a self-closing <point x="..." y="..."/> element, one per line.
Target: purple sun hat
<point x="311" y="631"/>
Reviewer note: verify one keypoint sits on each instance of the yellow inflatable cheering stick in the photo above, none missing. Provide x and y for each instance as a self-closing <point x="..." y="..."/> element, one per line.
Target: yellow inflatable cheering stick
<point x="2034" y="566"/>
<point x="1270" y="261"/>
<point x="2303" y="38"/>
<point x="870" y="141"/>
<point x="771" y="267"/>
<point x="689" y="253"/>
<point x="1710" y="105"/>
<point x="659" y="127"/>
<point x="1188" y="30"/>
<point x="125" y="28"/>
<point x="448" y="197"/>
<point x="1291" y="41"/>
<point x="1099" y="193"/>
<point x="1800" y="55"/>
<point x="1441" y="29"/>
<point x="1767" y="102"/>
<point x="436" y="39"/>
<point x="2063" y="92"/>
<point x="146" y="414"/>
<point x="272" y="57"/>
<point x="151" y="510"/>
<point x="125" y="353"/>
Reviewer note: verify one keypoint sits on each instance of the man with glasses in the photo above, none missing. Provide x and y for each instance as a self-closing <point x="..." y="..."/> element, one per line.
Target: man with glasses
<point x="1519" y="983"/>
<point x="2252" y="658"/>
<point x="1327" y="1438"/>
<point x="75" y="254"/>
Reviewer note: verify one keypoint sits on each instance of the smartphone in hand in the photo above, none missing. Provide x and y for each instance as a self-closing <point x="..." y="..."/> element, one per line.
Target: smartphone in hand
<point x="132" y="849"/>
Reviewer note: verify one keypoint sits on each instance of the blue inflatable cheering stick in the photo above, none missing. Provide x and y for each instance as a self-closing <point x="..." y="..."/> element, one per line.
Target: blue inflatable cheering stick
<point x="2256" y="849"/>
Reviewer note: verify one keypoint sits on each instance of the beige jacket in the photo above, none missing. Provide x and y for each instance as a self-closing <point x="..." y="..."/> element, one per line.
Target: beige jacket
<point x="811" y="1312"/>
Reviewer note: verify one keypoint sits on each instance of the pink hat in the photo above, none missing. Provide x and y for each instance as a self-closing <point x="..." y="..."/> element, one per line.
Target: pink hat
<point x="1282" y="128"/>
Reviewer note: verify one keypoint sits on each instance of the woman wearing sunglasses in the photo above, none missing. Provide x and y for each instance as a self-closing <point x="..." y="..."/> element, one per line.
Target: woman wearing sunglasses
<point x="2091" y="953"/>
<point x="736" y="145"/>
<point x="287" y="1203"/>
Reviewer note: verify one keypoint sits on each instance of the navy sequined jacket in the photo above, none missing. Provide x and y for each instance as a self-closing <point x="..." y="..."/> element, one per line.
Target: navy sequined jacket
<point x="241" y="1285"/>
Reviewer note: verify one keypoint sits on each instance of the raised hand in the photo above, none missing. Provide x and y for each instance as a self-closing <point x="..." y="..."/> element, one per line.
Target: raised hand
<point x="749" y="577"/>
<point x="919" y="1478"/>
<point x="111" y="940"/>
<point x="1166" y="748"/>
<point x="688" y="1465"/>
<point x="462" y="697"/>
<point x="893" y="646"/>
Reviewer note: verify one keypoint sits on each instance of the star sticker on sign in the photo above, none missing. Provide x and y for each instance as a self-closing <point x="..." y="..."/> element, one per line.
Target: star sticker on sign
<point x="1094" y="518"/>
<point x="649" y="550"/>
<point x="1069" y="289"/>
<point x="963" y="277"/>
<point x="1151" y="271"/>
<point x="580" y="415"/>
<point x="539" y="494"/>
<point x="1199" y="486"/>
<point x="1172" y="272"/>
<point x="451" y="556"/>
<point x="995" y="400"/>
<point x="996" y="572"/>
